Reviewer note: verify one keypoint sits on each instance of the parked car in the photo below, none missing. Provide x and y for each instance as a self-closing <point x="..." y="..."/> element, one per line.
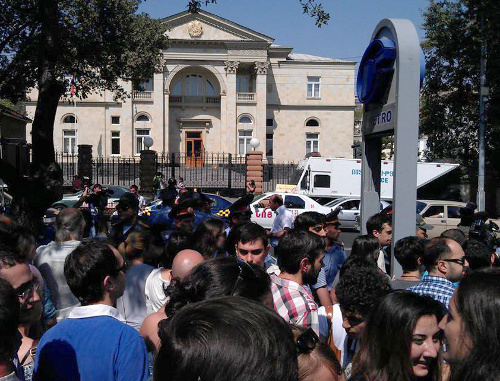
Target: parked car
<point x="115" y="192"/>
<point x="219" y="204"/>
<point x="350" y="211"/>
<point x="296" y="203"/>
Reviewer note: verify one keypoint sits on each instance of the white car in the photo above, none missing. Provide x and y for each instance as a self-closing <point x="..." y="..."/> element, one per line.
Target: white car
<point x="349" y="211"/>
<point x="296" y="203"/>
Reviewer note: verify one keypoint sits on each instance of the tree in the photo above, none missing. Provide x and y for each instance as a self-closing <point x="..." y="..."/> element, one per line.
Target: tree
<point x="450" y="100"/>
<point x="42" y="41"/>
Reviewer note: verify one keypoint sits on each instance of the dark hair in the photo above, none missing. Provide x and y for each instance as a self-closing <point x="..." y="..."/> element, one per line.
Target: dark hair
<point x="478" y="302"/>
<point x="295" y="246"/>
<point x="478" y="254"/>
<point x="455" y="234"/>
<point x="25" y="240"/>
<point x="178" y="240"/>
<point x="135" y="187"/>
<point x="69" y="221"/>
<point x="361" y="288"/>
<point x="333" y="215"/>
<point x="386" y="343"/>
<point x="8" y="258"/>
<point x="313" y="359"/>
<point x="365" y="247"/>
<point x="249" y="232"/>
<point x="225" y="339"/>
<point x="407" y="251"/>
<point x="376" y="222"/>
<point x="205" y="237"/>
<point x="307" y="220"/>
<point x="9" y="320"/>
<point x="217" y="277"/>
<point x="277" y="199"/>
<point x="85" y="269"/>
<point x="437" y="248"/>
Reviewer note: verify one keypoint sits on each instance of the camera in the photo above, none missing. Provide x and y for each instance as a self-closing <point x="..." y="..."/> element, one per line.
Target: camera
<point x="484" y="232"/>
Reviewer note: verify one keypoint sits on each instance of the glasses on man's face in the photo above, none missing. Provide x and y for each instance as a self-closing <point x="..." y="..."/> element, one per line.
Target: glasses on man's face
<point x="25" y="291"/>
<point x="352" y="320"/>
<point x="253" y="252"/>
<point x="307" y="341"/>
<point x="458" y="261"/>
<point x="246" y="272"/>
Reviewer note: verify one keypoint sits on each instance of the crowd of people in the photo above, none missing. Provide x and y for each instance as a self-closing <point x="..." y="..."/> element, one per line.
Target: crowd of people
<point x="187" y="295"/>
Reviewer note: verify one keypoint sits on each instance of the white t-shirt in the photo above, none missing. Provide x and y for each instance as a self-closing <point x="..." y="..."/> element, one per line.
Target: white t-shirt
<point x="154" y="290"/>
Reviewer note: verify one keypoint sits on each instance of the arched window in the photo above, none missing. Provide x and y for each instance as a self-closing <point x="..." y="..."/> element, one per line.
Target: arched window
<point x="312" y="123"/>
<point x="194" y="85"/>
<point x="142" y="118"/>
<point x="69" y="119"/>
<point x="245" y="120"/>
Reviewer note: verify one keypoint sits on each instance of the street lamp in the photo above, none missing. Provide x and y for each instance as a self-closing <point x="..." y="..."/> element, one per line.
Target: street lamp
<point x="254" y="143"/>
<point x="148" y="142"/>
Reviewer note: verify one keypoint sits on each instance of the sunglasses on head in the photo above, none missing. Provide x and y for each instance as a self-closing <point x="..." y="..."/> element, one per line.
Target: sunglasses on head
<point x="246" y="272"/>
<point x="307" y="341"/>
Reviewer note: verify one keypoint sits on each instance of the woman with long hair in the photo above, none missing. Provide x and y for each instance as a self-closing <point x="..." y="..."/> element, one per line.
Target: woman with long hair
<point x="401" y="340"/>
<point x="472" y="328"/>
<point x="209" y="238"/>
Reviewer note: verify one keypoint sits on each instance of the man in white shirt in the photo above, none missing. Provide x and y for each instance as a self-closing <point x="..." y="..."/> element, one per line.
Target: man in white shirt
<point x="380" y="226"/>
<point x="283" y="221"/>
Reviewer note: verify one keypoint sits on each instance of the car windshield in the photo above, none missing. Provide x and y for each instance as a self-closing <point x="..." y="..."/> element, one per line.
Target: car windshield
<point x="335" y="202"/>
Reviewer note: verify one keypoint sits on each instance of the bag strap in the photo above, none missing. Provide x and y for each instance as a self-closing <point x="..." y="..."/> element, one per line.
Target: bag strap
<point x="330" y="341"/>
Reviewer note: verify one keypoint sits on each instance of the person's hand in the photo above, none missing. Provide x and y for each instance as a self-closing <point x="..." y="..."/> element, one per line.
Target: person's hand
<point x="251" y="186"/>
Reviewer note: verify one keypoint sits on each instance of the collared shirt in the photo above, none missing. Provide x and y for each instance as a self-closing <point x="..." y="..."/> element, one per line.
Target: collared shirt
<point x="294" y="303"/>
<point x="438" y="288"/>
<point x="333" y="260"/>
<point x="284" y="219"/>
<point x="95" y="310"/>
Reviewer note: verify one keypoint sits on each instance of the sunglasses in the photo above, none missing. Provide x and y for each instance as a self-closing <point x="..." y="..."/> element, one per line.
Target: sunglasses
<point x="352" y="320"/>
<point x="25" y="292"/>
<point x="335" y="224"/>
<point x="246" y="272"/>
<point x="253" y="252"/>
<point x="318" y="228"/>
<point x="459" y="261"/>
<point x="307" y="341"/>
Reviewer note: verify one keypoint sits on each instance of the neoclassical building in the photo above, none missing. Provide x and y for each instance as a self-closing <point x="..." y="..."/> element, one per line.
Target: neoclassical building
<point x="220" y="85"/>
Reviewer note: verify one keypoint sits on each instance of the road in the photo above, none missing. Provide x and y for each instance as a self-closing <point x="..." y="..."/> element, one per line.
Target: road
<point x="348" y="238"/>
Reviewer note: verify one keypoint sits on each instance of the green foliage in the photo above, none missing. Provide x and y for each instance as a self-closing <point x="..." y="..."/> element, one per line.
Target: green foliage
<point x="308" y="7"/>
<point x="450" y="99"/>
<point x="97" y="41"/>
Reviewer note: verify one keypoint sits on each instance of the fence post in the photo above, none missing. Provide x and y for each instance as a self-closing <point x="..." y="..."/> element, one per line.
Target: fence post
<point x="172" y="163"/>
<point x="255" y="170"/>
<point x="230" y="167"/>
<point x="85" y="161"/>
<point x="147" y="169"/>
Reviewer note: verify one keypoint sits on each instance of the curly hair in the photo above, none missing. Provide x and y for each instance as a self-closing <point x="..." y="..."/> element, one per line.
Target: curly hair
<point x="217" y="277"/>
<point x="362" y="288"/>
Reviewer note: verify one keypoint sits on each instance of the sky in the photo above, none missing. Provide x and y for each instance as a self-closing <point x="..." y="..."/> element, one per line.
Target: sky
<point x="346" y="35"/>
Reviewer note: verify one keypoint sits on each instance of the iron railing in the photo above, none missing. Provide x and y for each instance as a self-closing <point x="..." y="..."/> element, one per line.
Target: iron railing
<point x="284" y="173"/>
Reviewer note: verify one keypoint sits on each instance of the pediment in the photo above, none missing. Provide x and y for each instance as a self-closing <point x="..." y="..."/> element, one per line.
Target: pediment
<point x="206" y="26"/>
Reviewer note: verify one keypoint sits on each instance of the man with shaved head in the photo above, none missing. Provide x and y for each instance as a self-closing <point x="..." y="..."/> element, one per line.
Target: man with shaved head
<point x="183" y="263"/>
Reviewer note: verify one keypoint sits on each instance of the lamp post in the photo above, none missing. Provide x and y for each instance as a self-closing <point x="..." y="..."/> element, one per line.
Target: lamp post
<point x="254" y="143"/>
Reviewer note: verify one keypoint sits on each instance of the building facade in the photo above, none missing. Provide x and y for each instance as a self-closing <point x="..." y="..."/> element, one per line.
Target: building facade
<point x="221" y="84"/>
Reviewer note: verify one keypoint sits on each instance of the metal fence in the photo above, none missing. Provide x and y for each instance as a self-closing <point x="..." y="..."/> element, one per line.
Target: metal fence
<point x="285" y="173"/>
<point x="207" y="171"/>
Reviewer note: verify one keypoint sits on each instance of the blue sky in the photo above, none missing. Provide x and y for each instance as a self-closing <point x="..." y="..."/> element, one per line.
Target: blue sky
<point x="345" y="37"/>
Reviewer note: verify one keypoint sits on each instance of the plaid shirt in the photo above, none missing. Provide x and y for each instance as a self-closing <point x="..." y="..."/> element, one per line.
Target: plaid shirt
<point x="294" y="303"/>
<point x="440" y="289"/>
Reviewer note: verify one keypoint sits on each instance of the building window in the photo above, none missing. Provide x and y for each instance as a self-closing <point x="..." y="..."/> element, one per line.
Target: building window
<point x="142" y="118"/>
<point x="313" y="87"/>
<point x="312" y="123"/>
<point x="139" y="139"/>
<point x="115" y="120"/>
<point x="69" y="141"/>
<point x="244" y="138"/>
<point x="70" y="119"/>
<point x="269" y="145"/>
<point x="270" y="122"/>
<point x="115" y="142"/>
<point x="243" y="84"/>
<point x="245" y="120"/>
<point x="312" y="143"/>
<point x="145" y="85"/>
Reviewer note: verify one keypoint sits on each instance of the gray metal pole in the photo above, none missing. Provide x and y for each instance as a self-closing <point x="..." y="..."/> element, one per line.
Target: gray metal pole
<point x="483" y="93"/>
<point x="370" y="179"/>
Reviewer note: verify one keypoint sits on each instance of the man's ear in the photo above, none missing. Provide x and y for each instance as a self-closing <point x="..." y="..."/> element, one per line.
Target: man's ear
<point x="108" y="283"/>
<point x="375" y="233"/>
<point x="419" y="261"/>
<point x="304" y="262"/>
<point x="442" y="267"/>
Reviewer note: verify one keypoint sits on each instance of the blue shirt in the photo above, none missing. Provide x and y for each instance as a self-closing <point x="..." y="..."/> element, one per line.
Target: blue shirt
<point x="333" y="260"/>
<point x="440" y="289"/>
<point x="90" y="349"/>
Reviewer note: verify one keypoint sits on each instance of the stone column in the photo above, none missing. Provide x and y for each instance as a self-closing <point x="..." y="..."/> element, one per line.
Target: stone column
<point x="255" y="170"/>
<point x="85" y="161"/>
<point x="147" y="170"/>
<point x="230" y="131"/>
<point x="261" y="98"/>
